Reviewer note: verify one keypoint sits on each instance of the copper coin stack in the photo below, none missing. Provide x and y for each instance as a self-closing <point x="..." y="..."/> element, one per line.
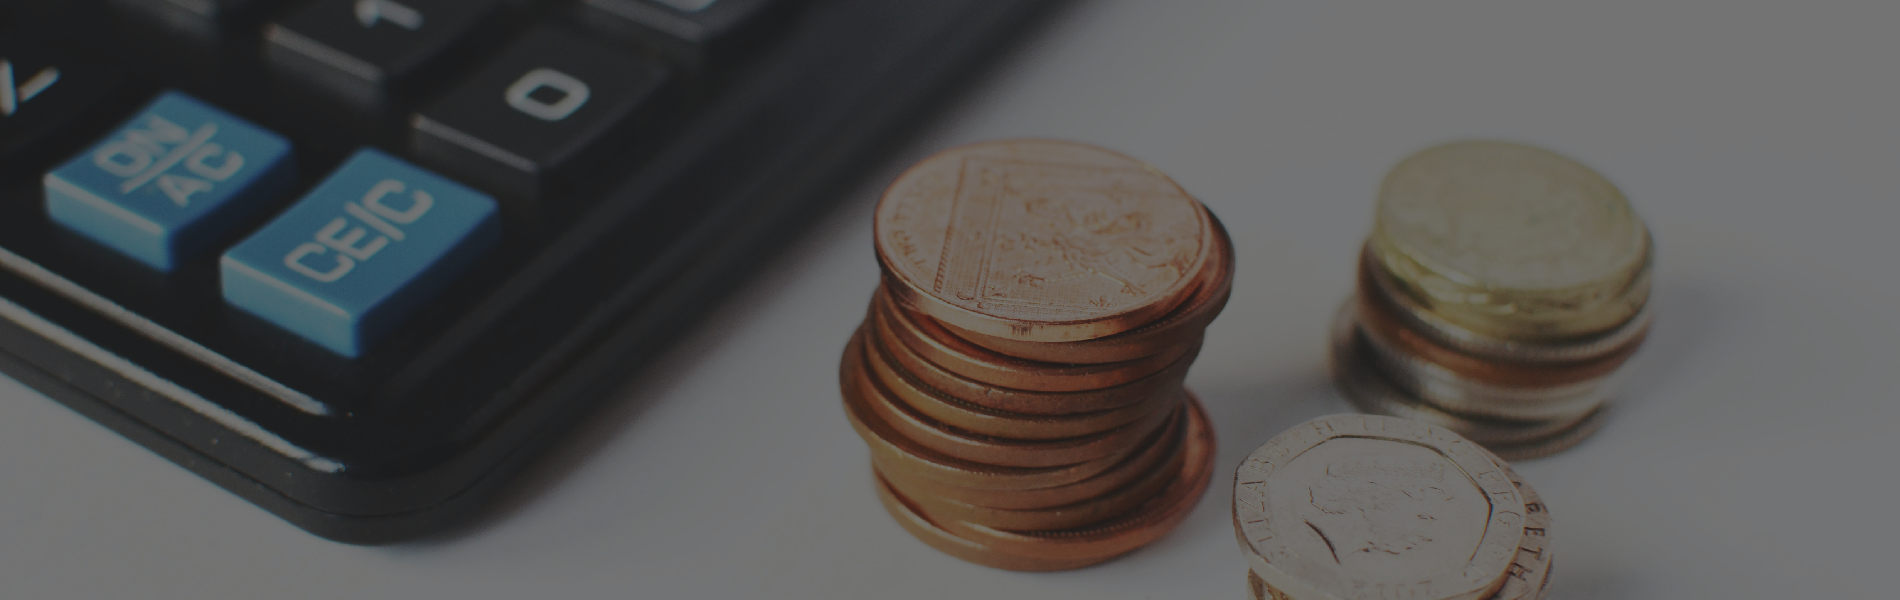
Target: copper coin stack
<point x="1502" y="289"/>
<point x="1019" y="376"/>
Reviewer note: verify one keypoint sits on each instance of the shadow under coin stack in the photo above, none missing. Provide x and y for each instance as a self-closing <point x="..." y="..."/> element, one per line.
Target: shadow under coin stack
<point x="1501" y="290"/>
<point x="1019" y="377"/>
<point x="1363" y="507"/>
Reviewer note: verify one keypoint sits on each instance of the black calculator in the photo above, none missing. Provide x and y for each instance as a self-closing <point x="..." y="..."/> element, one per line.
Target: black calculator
<point x="358" y="260"/>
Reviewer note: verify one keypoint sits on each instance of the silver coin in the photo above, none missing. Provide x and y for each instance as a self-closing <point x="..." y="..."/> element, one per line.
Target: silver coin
<point x="1525" y="579"/>
<point x="1456" y="393"/>
<point x="1370" y="507"/>
<point x="1418" y="317"/>
<point x="1528" y="577"/>
<point x="1369" y="390"/>
<point x="1552" y="444"/>
<point x="1543" y="591"/>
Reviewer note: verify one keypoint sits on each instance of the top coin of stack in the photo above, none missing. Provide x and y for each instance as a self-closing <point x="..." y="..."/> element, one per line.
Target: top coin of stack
<point x="1501" y="289"/>
<point x="1350" y="507"/>
<point x="1019" y="376"/>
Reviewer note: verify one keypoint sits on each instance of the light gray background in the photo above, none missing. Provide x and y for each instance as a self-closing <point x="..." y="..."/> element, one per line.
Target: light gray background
<point x="1752" y="456"/>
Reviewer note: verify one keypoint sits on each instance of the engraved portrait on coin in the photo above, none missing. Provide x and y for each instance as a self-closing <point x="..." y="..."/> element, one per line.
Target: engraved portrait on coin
<point x="1397" y="510"/>
<point x="1370" y="507"/>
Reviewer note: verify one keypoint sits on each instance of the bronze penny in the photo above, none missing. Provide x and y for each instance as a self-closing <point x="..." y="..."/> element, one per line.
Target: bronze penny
<point x="1164" y="382"/>
<point x="1371" y="390"/>
<point x="1040" y="240"/>
<point x="970" y="550"/>
<point x="956" y="413"/>
<point x="1376" y="318"/>
<point x="1185" y="323"/>
<point x="1068" y="516"/>
<point x="1139" y="527"/>
<point x="985" y="449"/>
<point x="1164" y="447"/>
<point x="929" y="340"/>
<point x="1519" y="410"/>
<point x="898" y="453"/>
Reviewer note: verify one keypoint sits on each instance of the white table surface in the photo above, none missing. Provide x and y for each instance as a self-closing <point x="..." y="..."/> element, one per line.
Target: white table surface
<point x="1752" y="456"/>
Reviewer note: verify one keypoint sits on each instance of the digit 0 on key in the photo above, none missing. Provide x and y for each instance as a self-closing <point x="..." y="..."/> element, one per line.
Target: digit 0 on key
<point x="357" y="255"/>
<point x="171" y="182"/>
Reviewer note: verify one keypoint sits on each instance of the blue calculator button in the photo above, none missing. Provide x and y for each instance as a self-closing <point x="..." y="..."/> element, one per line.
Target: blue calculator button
<point x="369" y="245"/>
<point x="170" y="182"/>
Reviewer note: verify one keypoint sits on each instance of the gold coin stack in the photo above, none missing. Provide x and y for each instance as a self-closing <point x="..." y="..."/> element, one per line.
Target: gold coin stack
<point x="1501" y="290"/>
<point x="1019" y="376"/>
<point x="1350" y="507"/>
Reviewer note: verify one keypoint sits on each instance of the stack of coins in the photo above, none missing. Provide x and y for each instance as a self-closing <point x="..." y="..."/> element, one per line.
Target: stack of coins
<point x="1019" y="376"/>
<point x="1350" y="507"/>
<point x="1501" y="290"/>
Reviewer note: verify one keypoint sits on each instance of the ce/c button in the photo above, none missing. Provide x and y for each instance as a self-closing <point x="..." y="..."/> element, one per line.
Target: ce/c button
<point x="357" y="255"/>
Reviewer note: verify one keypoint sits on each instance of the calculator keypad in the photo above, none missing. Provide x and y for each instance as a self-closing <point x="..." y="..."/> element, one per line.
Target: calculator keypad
<point x="373" y="349"/>
<point x="548" y="103"/>
<point x="368" y="52"/>
<point x="360" y="252"/>
<point x="170" y="182"/>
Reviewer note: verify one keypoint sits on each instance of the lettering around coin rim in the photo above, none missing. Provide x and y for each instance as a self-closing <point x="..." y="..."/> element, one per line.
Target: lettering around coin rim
<point x="1282" y="566"/>
<point x="1528" y="576"/>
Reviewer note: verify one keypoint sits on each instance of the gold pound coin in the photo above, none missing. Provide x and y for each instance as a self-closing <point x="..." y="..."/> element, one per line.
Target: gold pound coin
<point x="1040" y="240"/>
<point x="1365" y="506"/>
<point x="1511" y="241"/>
<point x="1381" y="320"/>
<point x="1378" y="285"/>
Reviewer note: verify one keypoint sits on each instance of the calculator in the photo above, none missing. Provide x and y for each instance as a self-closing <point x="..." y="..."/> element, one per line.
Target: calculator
<point x="358" y="261"/>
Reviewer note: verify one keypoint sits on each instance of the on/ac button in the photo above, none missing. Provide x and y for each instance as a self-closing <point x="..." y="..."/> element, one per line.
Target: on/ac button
<point x="356" y="256"/>
<point x="170" y="183"/>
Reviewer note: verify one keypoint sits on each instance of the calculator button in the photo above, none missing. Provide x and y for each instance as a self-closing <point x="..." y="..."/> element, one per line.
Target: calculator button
<point x="545" y="104"/>
<point x="169" y="183"/>
<point x="42" y="95"/>
<point x="370" y="51"/>
<point x="360" y="252"/>
<point x="690" y="30"/>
